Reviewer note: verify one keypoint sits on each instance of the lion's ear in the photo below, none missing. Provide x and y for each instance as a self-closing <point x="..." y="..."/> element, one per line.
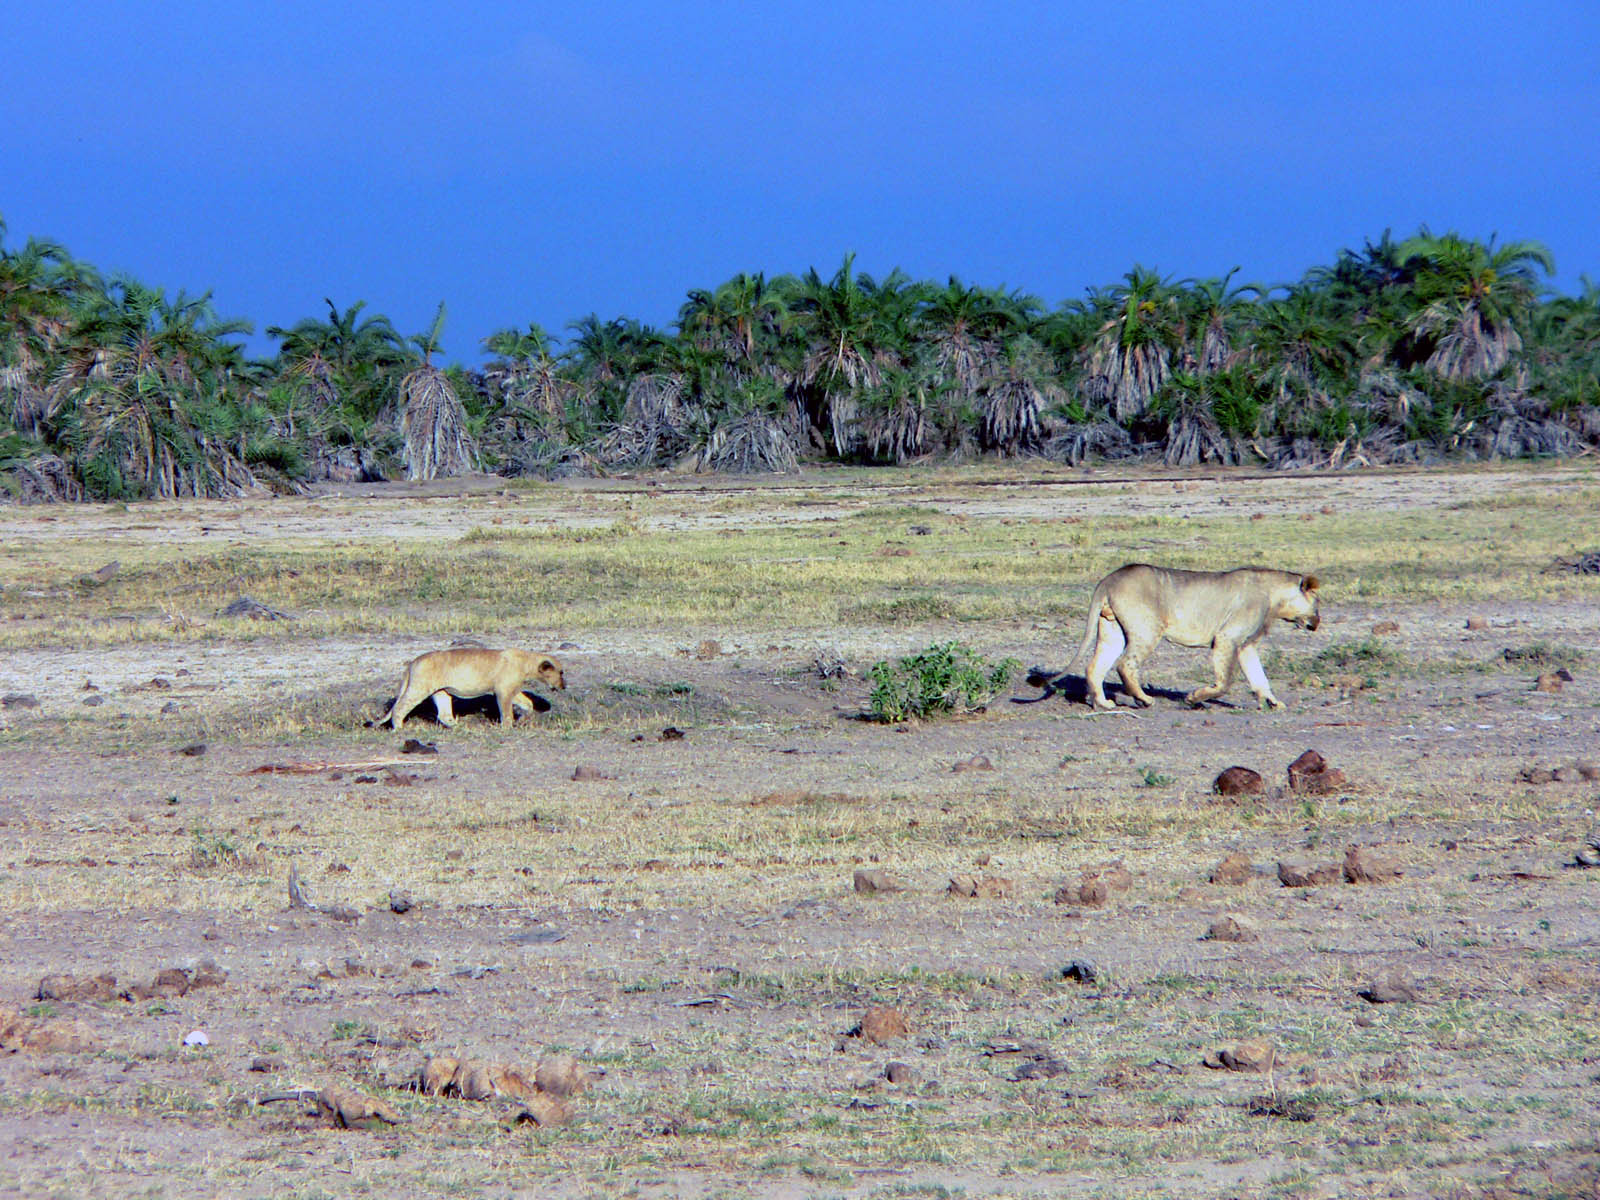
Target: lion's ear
<point x="1309" y="583"/>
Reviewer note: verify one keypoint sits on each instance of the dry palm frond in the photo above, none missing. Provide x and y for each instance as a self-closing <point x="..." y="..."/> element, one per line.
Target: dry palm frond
<point x="47" y="480"/>
<point x="1125" y="377"/>
<point x="1466" y="345"/>
<point x="751" y="444"/>
<point x="1012" y="421"/>
<point x="433" y="426"/>
<point x="1073" y="444"/>
<point x="30" y="404"/>
<point x="1193" y="436"/>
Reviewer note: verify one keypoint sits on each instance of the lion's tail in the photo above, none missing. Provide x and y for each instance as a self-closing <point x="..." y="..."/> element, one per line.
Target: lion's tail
<point x="1096" y="603"/>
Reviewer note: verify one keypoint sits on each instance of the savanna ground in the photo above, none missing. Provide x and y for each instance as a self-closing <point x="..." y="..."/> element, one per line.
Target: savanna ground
<point x="581" y="914"/>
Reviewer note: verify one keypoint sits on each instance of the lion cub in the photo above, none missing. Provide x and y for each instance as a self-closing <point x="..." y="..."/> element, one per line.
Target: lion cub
<point x="1136" y="606"/>
<point x="470" y="671"/>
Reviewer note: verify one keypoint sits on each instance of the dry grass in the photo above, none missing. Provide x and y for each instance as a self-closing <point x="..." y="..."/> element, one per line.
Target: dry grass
<point x="719" y="867"/>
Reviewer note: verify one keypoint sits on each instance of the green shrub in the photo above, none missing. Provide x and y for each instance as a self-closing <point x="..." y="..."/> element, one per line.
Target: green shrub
<point x="946" y="677"/>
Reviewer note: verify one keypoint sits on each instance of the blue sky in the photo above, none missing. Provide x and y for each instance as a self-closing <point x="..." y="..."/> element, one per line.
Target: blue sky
<point x="537" y="162"/>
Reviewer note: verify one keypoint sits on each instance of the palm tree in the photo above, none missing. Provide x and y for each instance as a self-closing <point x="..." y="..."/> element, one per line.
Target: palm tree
<point x="1212" y="316"/>
<point x="1468" y="298"/>
<point x="525" y="373"/>
<point x="433" y="424"/>
<point x="346" y="360"/>
<point x="1021" y="386"/>
<point x="842" y="321"/>
<point x="1131" y="355"/>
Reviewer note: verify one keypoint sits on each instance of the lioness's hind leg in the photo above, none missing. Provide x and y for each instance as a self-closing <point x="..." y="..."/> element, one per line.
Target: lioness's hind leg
<point x="1128" y="668"/>
<point x="1224" y="657"/>
<point x="1251" y="662"/>
<point x="441" y="705"/>
<point x="404" y="702"/>
<point x="1108" y="648"/>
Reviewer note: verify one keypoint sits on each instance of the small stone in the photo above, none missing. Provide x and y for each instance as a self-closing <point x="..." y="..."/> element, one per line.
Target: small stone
<point x="869" y="882"/>
<point x="94" y="701"/>
<point x="170" y="707"/>
<point x="1363" y="865"/>
<point x="193" y="750"/>
<point x="1233" y="870"/>
<point x="900" y="1074"/>
<point x="883" y="1024"/>
<point x="1080" y="970"/>
<point x="19" y="700"/>
<point x="589" y="774"/>
<point x="1383" y="628"/>
<point x="1538" y="775"/>
<point x="414" y="746"/>
<point x="1255" y="1055"/>
<point x="267" y="1063"/>
<point x="978" y="762"/>
<point x="707" y="650"/>
<point x="438" y="1074"/>
<point x="1394" y="989"/>
<point x="1238" y="781"/>
<point x="1477" y="624"/>
<point x="544" y="1111"/>
<point x="400" y="901"/>
<point x="980" y="887"/>
<point x="473" y="1082"/>
<point x="1232" y="929"/>
<point x="1300" y="875"/>
<point x="561" y="1075"/>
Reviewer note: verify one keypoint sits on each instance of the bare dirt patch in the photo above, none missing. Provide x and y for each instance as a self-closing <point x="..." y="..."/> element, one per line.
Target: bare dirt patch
<point x="684" y="917"/>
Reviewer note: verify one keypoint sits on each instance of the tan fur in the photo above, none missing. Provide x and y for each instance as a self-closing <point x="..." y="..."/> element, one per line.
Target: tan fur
<point x="470" y="671"/>
<point x="1136" y="606"/>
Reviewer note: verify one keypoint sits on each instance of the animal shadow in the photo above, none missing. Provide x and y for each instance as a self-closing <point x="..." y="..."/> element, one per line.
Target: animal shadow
<point x="479" y="706"/>
<point x="1075" y="688"/>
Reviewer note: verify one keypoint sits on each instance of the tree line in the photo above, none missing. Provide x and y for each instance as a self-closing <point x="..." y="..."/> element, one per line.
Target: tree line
<point x="1400" y="351"/>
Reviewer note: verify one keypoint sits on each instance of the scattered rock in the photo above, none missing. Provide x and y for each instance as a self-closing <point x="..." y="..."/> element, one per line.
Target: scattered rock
<point x="193" y="750"/>
<point x="1310" y="775"/>
<point x="671" y="734"/>
<point x="39" y="1036"/>
<point x="543" y="1110"/>
<point x="1363" y="865"/>
<point x="400" y="901"/>
<point x="19" y="700"/>
<point x="244" y="606"/>
<point x="94" y="701"/>
<point x="881" y="1024"/>
<point x="1232" y="929"/>
<point x="978" y="762"/>
<point x="1393" y="989"/>
<point x="584" y="774"/>
<point x="1256" y="1055"/>
<point x="1080" y="970"/>
<point x="437" y="1075"/>
<point x="707" y="650"/>
<point x="901" y="1074"/>
<point x="73" y="987"/>
<point x="414" y="746"/>
<point x="980" y="887"/>
<point x="870" y="882"/>
<point x="1238" y="781"/>
<point x="1300" y="874"/>
<point x="170" y="707"/>
<point x="1477" y="624"/>
<point x="561" y="1075"/>
<point x="1548" y="681"/>
<point x="353" y="1110"/>
<point x="1383" y="628"/>
<point x="1233" y="870"/>
<point x="267" y="1064"/>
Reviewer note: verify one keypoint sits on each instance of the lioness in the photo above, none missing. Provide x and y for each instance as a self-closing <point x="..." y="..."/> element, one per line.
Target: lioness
<point x="1136" y="606"/>
<point x="470" y="671"/>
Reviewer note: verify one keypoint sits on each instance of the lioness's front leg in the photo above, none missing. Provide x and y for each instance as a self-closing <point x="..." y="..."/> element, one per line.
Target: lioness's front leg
<point x="506" y="699"/>
<point x="441" y="705"/>
<point x="1224" y="656"/>
<point x="1251" y="662"/>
